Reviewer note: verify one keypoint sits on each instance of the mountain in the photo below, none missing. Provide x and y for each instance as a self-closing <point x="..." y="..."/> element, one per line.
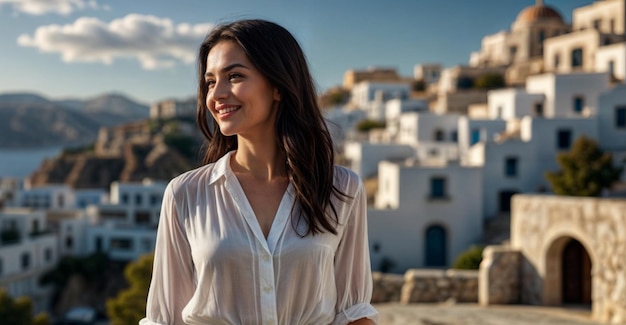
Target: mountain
<point x="32" y="120"/>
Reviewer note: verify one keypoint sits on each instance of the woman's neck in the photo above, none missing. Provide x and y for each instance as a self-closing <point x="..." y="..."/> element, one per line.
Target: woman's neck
<point x="263" y="160"/>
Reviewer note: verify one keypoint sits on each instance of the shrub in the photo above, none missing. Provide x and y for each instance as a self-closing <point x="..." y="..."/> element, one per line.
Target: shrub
<point x="469" y="259"/>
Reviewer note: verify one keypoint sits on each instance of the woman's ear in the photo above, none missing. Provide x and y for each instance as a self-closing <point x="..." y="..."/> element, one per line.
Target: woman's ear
<point x="276" y="95"/>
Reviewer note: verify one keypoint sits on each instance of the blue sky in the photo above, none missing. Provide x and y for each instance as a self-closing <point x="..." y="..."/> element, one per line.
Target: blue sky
<point x="145" y="49"/>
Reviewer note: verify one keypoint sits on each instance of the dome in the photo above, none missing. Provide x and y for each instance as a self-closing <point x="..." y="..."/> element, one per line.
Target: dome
<point x="538" y="12"/>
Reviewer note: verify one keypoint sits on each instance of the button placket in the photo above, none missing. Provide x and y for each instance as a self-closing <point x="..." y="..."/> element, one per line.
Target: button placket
<point x="267" y="286"/>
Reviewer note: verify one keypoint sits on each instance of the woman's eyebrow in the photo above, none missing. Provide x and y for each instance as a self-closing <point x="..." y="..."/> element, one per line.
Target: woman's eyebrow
<point x="227" y="68"/>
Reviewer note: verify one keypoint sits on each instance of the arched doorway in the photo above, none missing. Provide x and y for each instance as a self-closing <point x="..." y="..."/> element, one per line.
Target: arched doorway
<point x="575" y="274"/>
<point x="567" y="278"/>
<point x="436" y="248"/>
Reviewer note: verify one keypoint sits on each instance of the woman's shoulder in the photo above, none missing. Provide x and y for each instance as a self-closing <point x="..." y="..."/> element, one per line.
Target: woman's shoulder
<point x="347" y="179"/>
<point x="190" y="180"/>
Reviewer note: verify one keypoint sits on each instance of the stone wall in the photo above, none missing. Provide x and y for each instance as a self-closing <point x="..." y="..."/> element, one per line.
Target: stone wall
<point x="424" y="286"/>
<point x="500" y="276"/>
<point x="541" y="226"/>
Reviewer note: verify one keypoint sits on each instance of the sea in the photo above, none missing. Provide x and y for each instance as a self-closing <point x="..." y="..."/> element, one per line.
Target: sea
<point x="20" y="163"/>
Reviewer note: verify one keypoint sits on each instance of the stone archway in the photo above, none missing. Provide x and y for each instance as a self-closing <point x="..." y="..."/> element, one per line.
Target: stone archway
<point x="568" y="273"/>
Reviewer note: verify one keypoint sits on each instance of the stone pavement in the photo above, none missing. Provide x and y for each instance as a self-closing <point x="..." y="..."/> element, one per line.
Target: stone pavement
<point x="474" y="314"/>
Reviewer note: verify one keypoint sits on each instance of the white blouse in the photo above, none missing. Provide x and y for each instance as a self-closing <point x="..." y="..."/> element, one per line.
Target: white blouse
<point x="214" y="266"/>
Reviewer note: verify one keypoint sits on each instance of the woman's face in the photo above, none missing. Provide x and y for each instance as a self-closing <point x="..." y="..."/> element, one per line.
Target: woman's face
<point x="240" y="99"/>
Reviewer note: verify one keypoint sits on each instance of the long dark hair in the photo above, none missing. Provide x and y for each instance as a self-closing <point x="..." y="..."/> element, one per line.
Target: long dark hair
<point x="300" y="127"/>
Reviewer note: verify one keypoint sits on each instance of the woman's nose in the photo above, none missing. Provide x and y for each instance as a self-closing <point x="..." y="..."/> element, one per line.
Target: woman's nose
<point x="220" y="90"/>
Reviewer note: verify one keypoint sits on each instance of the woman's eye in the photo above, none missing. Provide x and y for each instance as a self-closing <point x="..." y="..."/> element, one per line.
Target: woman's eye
<point x="210" y="83"/>
<point x="234" y="76"/>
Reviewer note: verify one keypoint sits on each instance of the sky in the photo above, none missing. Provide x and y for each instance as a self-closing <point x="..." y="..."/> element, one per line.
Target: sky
<point x="146" y="49"/>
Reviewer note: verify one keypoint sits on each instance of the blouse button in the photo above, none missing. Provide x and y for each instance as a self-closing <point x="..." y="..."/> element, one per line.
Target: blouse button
<point x="266" y="257"/>
<point x="267" y="289"/>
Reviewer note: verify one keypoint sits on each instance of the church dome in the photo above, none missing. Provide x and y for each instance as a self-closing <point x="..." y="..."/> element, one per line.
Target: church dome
<point x="538" y="12"/>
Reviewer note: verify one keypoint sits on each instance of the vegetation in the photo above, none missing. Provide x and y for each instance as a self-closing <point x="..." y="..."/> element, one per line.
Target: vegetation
<point x="367" y="125"/>
<point x="489" y="81"/>
<point x="334" y="97"/>
<point x="76" y="150"/>
<point x="470" y="259"/>
<point x="130" y="305"/>
<point x="186" y="145"/>
<point x="19" y="311"/>
<point x="585" y="170"/>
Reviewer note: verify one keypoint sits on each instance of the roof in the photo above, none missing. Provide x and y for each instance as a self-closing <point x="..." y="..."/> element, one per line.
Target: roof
<point x="538" y="12"/>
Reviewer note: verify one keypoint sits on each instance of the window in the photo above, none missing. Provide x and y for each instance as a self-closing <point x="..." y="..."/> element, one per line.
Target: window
<point x="579" y="104"/>
<point x="454" y="136"/>
<point x="48" y="254"/>
<point x="596" y="24"/>
<point x="154" y="199"/>
<point x="121" y="243"/>
<point x="538" y="109"/>
<point x="437" y="188"/>
<point x="612" y="26"/>
<point x="541" y="37"/>
<point x="611" y="68"/>
<point x="577" y="58"/>
<point x="564" y="139"/>
<point x="138" y="199"/>
<point x="439" y="135"/>
<point x="142" y="217"/>
<point x="475" y="136"/>
<point x="512" y="52"/>
<point x="557" y="61"/>
<point x="25" y="261"/>
<point x="620" y="117"/>
<point x="510" y="167"/>
<point x="124" y="198"/>
<point x="1" y="267"/>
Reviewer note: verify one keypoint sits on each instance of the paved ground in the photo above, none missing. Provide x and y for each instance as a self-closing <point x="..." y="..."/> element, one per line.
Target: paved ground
<point x="473" y="314"/>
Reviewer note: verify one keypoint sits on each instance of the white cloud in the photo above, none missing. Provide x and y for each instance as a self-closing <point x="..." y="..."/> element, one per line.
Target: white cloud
<point x="40" y="7"/>
<point x="155" y="42"/>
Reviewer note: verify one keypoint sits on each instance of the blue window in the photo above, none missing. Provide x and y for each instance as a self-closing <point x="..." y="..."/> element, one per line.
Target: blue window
<point x="510" y="167"/>
<point x="579" y="104"/>
<point x="475" y="137"/>
<point x="620" y="117"/>
<point x="438" y="187"/>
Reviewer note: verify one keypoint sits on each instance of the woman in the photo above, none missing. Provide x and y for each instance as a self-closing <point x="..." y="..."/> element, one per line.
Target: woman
<point x="269" y="231"/>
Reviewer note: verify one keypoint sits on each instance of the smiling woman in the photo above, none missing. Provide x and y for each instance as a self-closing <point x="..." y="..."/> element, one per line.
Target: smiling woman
<point x="269" y="231"/>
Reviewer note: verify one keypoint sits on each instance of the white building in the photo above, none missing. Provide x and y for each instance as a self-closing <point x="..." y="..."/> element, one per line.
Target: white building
<point x="27" y="251"/>
<point x="125" y="228"/>
<point x="424" y="215"/>
<point x="371" y="97"/>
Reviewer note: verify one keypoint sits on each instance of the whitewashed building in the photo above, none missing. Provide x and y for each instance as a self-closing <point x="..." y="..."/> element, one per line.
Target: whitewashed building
<point x="125" y="228"/>
<point x="27" y="251"/>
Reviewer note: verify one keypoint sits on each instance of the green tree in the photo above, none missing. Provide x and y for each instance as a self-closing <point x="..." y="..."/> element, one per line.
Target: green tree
<point x="367" y="125"/>
<point x="19" y="311"/>
<point x="469" y="259"/>
<point x="585" y="170"/>
<point x="130" y="304"/>
<point x="490" y="81"/>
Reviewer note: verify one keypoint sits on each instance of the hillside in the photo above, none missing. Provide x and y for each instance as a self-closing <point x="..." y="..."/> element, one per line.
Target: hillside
<point x="131" y="152"/>
<point x="31" y="120"/>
